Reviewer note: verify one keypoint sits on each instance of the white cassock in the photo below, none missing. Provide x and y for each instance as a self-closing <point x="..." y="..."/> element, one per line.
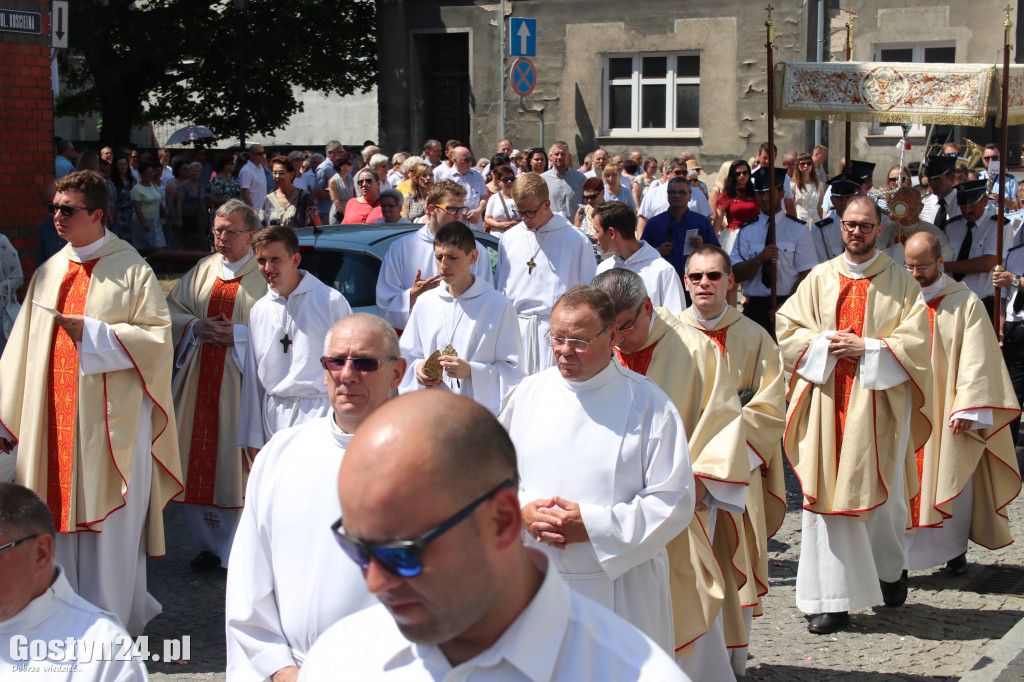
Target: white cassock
<point x="481" y="326"/>
<point x="414" y="252"/>
<point x="841" y="558"/>
<point x="615" y="445"/>
<point x="661" y="279"/>
<point x="288" y="580"/>
<point x="282" y="389"/>
<point x="562" y="258"/>
<point x="558" y="637"/>
<point x="57" y="614"/>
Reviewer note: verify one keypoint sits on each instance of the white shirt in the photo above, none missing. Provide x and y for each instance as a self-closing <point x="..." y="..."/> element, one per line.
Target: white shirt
<point x="59" y="614"/>
<point x="1014" y="262"/>
<point x="827" y="235"/>
<point x="288" y="580"/>
<point x="796" y="252"/>
<point x="407" y="255"/>
<point x="983" y="243"/>
<point x="482" y="327"/>
<point x="656" y="202"/>
<point x="496" y="208"/>
<point x="252" y="178"/>
<point x="931" y="206"/>
<point x="559" y="637"/>
<point x="270" y="373"/>
<point x="616" y="445"/>
<point x="562" y="258"/>
<point x="476" y="190"/>
<point x="441" y="171"/>
<point x="661" y="279"/>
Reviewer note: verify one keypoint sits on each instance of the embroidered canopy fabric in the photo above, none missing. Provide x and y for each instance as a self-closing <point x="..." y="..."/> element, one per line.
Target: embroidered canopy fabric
<point x="951" y="94"/>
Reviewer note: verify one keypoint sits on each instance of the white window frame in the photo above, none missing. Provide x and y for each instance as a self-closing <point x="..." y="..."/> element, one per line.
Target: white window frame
<point x="636" y="81"/>
<point x="916" y="129"/>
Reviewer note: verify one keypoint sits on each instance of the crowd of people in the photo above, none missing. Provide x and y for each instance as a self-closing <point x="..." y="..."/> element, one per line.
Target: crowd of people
<point x="565" y="466"/>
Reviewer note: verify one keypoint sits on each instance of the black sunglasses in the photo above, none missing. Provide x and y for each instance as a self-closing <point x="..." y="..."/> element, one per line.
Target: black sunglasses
<point x="364" y="365"/>
<point x="508" y="178"/>
<point x="402" y="557"/>
<point x="66" y="211"/>
<point x="590" y="197"/>
<point x="713" y="275"/>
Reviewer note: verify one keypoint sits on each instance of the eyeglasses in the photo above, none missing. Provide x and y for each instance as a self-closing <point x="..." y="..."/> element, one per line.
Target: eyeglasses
<point x="742" y="172"/>
<point x="257" y="153"/>
<point x="457" y="211"/>
<point x="864" y="228"/>
<point x="365" y="181"/>
<point x="66" y="211"/>
<point x="679" y="173"/>
<point x="632" y="325"/>
<point x="712" y="275"/>
<point x="361" y="365"/>
<point x="915" y="268"/>
<point x="510" y="178"/>
<point x="578" y="345"/>
<point x="11" y="545"/>
<point x="529" y="214"/>
<point x="221" y="232"/>
<point x="894" y="180"/>
<point x="402" y="557"/>
<point x="588" y="197"/>
<point x="991" y="158"/>
<point x="676" y="192"/>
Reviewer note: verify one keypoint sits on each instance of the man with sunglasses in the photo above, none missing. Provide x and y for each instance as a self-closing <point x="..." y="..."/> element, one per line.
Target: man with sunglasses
<point x="96" y="336"/>
<point x="972" y="237"/>
<point x="606" y="477"/>
<point x="615" y="229"/>
<point x="539" y="260"/>
<point x="755" y="364"/>
<point x="991" y="174"/>
<point x="432" y="517"/>
<point x="940" y="206"/>
<point x="855" y="339"/>
<point x="209" y="315"/>
<point x="251" y="179"/>
<point x="286" y="585"/>
<point x="656" y="202"/>
<point x="967" y="471"/>
<point x="409" y="269"/>
<point x="678" y="231"/>
<point x="686" y="365"/>
<point x="37" y="603"/>
<point x="793" y="251"/>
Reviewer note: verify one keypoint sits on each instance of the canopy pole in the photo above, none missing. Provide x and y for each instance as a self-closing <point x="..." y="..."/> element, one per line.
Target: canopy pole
<point x="771" y="265"/>
<point x="997" y="316"/>
<point x="849" y="57"/>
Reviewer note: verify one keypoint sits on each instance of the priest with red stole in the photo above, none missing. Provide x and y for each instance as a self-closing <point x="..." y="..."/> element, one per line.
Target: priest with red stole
<point x="85" y="392"/>
<point x="854" y="340"/>
<point x="210" y="313"/>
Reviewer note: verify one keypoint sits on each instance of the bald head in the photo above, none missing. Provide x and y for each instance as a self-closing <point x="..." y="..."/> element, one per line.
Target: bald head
<point x="371" y="323"/>
<point x="924" y="245"/>
<point x="922" y="255"/>
<point x="462" y="159"/>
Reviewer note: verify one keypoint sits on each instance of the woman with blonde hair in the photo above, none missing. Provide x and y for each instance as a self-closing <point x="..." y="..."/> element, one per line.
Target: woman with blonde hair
<point x="421" y="179"/>
<point x="613" y="189"/>
<point x="642" y="181"/>
<point x="716" y="191"/>
<point x="807" y="190"/>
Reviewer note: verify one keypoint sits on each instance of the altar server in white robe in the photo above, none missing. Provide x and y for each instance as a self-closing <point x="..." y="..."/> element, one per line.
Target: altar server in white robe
<point x="283" y="383"/>
<point x="38" y="604"/>
<point x="471" y="602"/>
<point x="539" y="260"/>
<point x="468" y="317"/>
<point x="605" y="467"/>
<point x="287" y="580"/>
<point x="409" y="269"/>
<point x="615" y="228"/>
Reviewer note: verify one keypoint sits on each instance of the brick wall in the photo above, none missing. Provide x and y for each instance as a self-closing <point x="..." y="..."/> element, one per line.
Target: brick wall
<point x="26" y="131"/>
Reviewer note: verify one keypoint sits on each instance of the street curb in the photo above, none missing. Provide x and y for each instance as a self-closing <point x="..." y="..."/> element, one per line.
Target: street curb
<point x="998" y="656"/>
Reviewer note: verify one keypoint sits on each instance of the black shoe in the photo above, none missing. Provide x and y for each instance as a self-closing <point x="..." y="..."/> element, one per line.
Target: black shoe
<point x="205" y="561"/>
<point x="957" y="565"/>
<point x="827" y="623"/>
<point x="895" y="594"/>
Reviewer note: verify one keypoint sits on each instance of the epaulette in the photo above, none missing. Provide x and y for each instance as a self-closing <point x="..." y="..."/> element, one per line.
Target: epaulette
<point x="1013" y="248"/>
<point x="823" y="223"/>
<point x="793" y="217"/>
<point x="749" y="222"/>
<point x="954" y="219"/>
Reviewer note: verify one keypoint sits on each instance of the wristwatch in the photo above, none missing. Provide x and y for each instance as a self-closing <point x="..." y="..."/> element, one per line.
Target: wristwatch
<point x="1015" y="282"/>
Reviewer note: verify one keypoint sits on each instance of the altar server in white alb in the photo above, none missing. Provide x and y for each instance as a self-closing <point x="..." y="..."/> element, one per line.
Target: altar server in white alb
<point x="283" y="383"/>
<point x="287" y="581"/>
<point x="605" y="468"/>
<point x="409" y="269"/>
<point x="615" y="229"/>
<point x="38" y="604"/>
<point x="472" y="326"/>
<point x="539" y="260"/>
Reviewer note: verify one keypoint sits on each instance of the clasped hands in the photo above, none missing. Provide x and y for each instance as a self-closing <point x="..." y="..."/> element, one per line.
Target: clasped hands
<point x="555" y="521"/>
<point x="217" y="331"/>
<point x="846" y="344"/>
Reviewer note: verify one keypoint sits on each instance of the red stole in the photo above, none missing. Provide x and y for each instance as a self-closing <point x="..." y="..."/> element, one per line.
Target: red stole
<point x="202" y="452"/>
<point x="915" y="502"/>
<point x="638" y="361"/>
<point x="718" y="336"/>
<point x="850" y="310"/>
<point x="62" y="408"/>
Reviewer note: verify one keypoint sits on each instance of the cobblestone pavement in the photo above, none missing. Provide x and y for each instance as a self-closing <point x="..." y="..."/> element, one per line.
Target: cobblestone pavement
<point x="938" y="635"/>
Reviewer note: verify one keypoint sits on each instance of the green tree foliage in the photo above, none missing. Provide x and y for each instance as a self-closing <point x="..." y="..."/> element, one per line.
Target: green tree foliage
<point x="159" y="60"/>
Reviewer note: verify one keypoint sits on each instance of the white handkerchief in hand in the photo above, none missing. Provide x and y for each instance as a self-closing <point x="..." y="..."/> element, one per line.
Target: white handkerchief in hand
<point x="53" y="312"/>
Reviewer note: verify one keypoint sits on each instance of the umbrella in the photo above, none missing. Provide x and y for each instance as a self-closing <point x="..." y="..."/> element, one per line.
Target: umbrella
<point x="190" y="133"/>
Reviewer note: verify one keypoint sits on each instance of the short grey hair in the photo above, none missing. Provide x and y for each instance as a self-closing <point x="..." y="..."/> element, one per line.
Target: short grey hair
<point x="331" y="146"/>
<point x="370" y="150"/>
<point x="253" y="147"/>
<point x="394" y="194"/>
<point x="23" y="511"/>
<point x="316" y="158"/>
<point x="625" y="287"/>
<point x="411" y="163"/>
<point x="252" y="221"/>
<point x="388" y="336"/>
<point x="377" y="159"/>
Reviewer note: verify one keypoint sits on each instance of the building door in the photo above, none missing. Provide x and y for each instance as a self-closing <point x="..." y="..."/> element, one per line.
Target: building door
<point x="443" y="100"/>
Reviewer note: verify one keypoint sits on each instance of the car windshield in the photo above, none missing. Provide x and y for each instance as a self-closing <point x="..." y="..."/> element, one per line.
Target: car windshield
<point x="353" y="274"/>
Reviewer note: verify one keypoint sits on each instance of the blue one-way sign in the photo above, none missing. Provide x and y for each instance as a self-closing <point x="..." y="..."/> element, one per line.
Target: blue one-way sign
<point x="522" y="37"/>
